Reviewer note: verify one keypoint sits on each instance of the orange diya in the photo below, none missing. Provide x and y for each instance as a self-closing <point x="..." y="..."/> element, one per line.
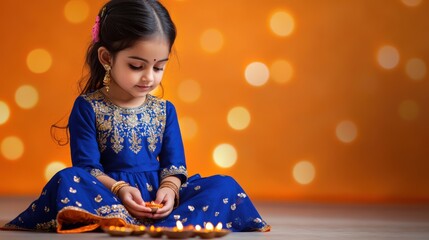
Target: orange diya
<point x="197" y="229"/>
<point x="210" y="231"/>
<point x="207" y="232"/>
<point x="118" y="231"/>
<point x="155" y="232"/>
<point x="138" y="230"/>
<point x="153" y="206"/>
<point x="219" y="231"/>
<point x="179" y="232"/>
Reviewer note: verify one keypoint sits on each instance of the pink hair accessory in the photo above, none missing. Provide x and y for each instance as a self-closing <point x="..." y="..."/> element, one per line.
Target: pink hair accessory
<point x="96" y="30"/>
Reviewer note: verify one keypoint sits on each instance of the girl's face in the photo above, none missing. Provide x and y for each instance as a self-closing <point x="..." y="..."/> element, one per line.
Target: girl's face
<point x="137" y="70"/>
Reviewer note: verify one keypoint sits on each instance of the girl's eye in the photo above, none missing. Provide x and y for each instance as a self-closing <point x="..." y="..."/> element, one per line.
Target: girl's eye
<point x="134" y="67"/>
<point x="158" y="68"/>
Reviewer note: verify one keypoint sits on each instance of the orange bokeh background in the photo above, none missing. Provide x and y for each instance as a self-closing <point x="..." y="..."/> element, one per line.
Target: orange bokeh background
<point x="338" y="112"/>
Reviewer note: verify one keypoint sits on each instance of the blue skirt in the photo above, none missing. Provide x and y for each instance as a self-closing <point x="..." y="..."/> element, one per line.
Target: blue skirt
<point x="75" y="201"/>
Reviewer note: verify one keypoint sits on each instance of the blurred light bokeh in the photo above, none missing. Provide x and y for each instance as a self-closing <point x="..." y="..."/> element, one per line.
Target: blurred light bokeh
<point x="299" y="100"/>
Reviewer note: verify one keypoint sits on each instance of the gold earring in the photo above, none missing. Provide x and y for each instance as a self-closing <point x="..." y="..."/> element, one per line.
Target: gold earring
<point x="106" y="80"/>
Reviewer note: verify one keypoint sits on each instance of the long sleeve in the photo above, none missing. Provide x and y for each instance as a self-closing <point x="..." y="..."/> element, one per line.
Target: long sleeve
<point x="172" y="156"/>
<point x="83" y="137"/>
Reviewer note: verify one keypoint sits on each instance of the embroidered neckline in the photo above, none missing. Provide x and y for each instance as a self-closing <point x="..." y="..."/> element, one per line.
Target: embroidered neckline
<point x="128" y="110"/>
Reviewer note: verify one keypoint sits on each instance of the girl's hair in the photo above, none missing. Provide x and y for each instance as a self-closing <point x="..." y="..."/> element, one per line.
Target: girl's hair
<point x="121" y="24"/>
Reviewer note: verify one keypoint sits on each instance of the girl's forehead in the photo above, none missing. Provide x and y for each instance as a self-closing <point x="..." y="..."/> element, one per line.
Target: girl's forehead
<point x="156" y="47"/>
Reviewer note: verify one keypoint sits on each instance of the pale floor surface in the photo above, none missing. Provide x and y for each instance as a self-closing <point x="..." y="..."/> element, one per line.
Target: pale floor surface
<point x="288" y="220"/>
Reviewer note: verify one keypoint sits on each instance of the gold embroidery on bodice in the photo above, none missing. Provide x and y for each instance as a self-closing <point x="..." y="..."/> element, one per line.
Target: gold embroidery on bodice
<point x="128" y="127"/>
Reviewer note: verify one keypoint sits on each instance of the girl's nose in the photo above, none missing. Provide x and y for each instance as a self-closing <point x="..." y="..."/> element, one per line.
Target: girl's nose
<point x="148" y="75"/>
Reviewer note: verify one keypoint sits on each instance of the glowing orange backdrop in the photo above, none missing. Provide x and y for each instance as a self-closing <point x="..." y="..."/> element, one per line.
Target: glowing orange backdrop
<point x="298" y="100"/>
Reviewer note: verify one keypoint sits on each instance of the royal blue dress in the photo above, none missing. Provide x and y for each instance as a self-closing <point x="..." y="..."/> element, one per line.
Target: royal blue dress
<point x="140" y="146"/>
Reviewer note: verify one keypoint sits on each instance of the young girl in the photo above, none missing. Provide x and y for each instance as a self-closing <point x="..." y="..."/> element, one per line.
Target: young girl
<point x="126" y="144"/>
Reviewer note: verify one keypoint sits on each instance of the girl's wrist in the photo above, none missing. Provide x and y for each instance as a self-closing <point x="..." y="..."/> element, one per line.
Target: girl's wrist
<point x="118" y="186"/>
<point x="174" y="188"/>
<point x="122" y="189"/>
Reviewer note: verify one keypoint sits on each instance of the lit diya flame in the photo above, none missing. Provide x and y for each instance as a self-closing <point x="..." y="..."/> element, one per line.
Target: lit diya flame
<point x="179" y="232"/>
<point x="155" y="232"/>
<point x="118" y="231"/>
<point x="198" y="228"/>
<point x="207" y="232"/>
<point x="219" y="227"/>
<point x="209" y="226"/>
<point x="141" y="228"/>
<point x="153" y="229"/>
<point x="138" y="230"/>
<point x="179" y="226"/>
<point x="114" y="228"/>
<point x="219" y="231"/>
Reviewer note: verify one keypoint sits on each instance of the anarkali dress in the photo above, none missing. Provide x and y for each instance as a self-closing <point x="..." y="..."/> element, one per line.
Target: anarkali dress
<point x="140" y="146"/>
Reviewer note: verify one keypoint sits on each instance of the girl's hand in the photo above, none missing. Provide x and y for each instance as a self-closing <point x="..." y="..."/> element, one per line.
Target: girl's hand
<point x="166" y="197"/>
<point x="132" y="200"/>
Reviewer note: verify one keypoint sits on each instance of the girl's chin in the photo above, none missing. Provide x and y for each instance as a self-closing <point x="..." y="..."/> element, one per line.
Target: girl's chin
<point x="140" y="95"/>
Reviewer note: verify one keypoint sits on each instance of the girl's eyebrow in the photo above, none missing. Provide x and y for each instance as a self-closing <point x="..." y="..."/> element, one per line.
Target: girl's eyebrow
<point x="147" y="61"/>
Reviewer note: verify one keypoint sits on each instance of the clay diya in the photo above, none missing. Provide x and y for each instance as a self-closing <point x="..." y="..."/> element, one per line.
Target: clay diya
<point x="155" y="232"/>
<point x="154" y="206"/>
<point x="219" y="231"/>
<point x="205" y="233"/>
<point x="179" y="232"/>
<point x="118" y="231"/>
<point x="138" y="230"/>
<point x="210" y="231"/>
